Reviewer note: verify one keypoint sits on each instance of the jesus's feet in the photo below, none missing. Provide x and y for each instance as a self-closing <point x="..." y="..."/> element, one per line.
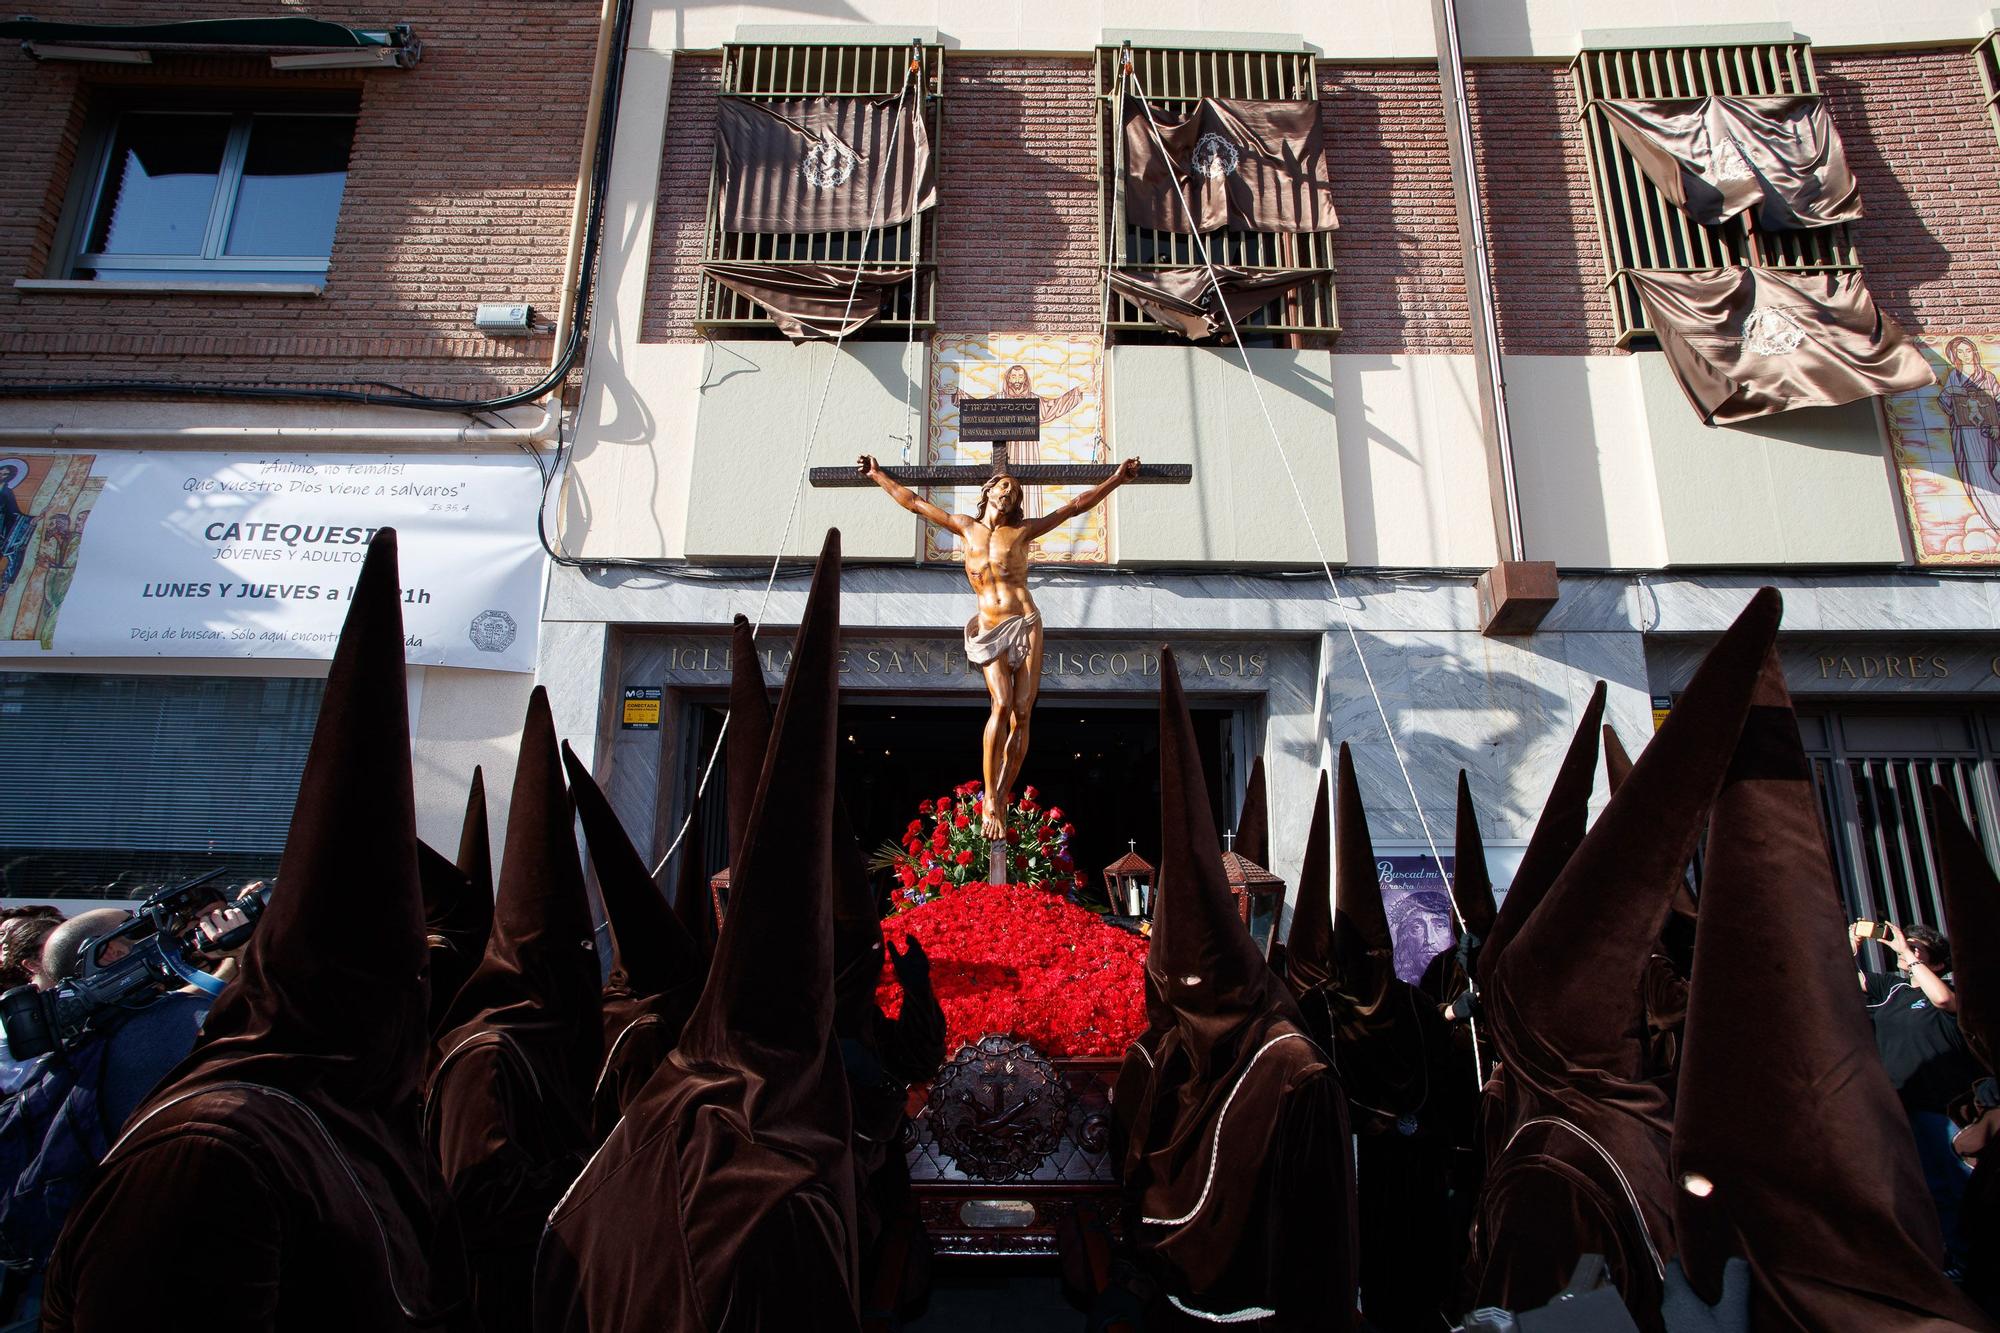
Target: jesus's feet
<point x="992" y="827"/>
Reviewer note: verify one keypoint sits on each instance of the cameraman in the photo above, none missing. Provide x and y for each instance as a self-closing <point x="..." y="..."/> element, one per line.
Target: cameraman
<point x="65" y="1119"/>
<point x="1915" y="1014"/>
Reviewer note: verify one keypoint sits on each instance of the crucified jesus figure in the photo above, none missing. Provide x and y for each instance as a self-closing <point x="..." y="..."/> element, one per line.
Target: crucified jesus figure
<point x="1004" y="636"/>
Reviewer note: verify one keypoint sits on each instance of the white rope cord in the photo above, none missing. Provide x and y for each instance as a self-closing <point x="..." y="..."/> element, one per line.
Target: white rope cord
<point x="805" y="454"/>
<point x="1305" y="512"/>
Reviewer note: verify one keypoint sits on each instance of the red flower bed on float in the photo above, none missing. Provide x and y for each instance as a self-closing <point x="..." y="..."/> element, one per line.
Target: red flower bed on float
<point x="1020" y="960"/>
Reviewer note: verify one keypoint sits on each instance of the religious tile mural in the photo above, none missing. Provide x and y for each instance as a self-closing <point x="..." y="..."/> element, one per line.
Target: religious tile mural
<point x="45" y="501"/>
<point x="1946" y="438"/>
<point x="1066" y="372"/>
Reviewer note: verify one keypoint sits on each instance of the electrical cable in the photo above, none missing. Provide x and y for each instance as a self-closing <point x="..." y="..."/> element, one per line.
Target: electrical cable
<point x="1305" y="511"/>
<point x="805" y="451"/>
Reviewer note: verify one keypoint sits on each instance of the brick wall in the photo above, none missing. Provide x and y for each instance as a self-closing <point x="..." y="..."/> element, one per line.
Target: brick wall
<point x="1919" y="142"/>
<point x="1401" y="278"/>
<point x="1018" y="202"/>
<point x="1534" y="177"/>
<point x="459" y="191"/>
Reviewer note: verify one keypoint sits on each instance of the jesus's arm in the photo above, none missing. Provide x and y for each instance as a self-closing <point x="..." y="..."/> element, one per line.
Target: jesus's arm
<point x="1084" y="503"/>
<point x="909" y="499"/>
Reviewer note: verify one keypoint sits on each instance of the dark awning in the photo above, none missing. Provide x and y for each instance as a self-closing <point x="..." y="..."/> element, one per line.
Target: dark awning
<point x="395" y="45"/>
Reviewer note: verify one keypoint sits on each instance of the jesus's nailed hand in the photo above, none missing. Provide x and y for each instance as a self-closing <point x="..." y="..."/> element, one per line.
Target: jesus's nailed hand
<point x="868" y="466"/>
<point x="1127" y="470"/>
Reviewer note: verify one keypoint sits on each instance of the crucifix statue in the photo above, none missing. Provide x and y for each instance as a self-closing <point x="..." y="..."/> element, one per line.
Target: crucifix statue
<point x="1004" y="636"/>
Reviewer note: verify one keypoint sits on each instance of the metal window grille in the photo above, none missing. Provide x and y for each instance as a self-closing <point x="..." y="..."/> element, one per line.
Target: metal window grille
<point x="1872" y="785"/>
<point x="1638" y="228"/>
<point x="1986" y="59"/>
<point x="1174" y="79"/>
<point x="780" y="72"/>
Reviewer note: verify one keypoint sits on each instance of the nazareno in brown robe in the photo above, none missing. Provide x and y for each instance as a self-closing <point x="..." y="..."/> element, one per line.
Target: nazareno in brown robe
<point x="458" y="902"/>
<point x="882" y="1057"/>
<point x="724" y="1200"/>
<point x="508" y="1107"/>
<point x="1412" y="1093"/>
<point x="1795" y="1145"/>
<point x="1237" y="1158"/>
<point x="1972" y="916"/>
<point x="1582" y="1166"/>
<point x="656" y="969"/>
<point x="275" y="1182"/>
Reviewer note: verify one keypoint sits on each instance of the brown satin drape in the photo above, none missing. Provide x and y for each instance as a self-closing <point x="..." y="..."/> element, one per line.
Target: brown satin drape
<point x="813" y="300"/>
<point x="1747" y="342"/>
<point x="823" y="164"/>
<point x="1252" y="166"/>
<point x="1717" y="157"/>
<point x="1183" y="299"/>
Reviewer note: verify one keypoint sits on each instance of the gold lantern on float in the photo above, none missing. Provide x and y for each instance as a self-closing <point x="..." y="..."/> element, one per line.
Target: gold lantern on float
<point x="1257" y="893"/>
<point x="1128" y="884"/>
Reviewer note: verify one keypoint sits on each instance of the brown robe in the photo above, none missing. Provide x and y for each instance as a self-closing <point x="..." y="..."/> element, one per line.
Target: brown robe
<point x="285" y="1149"/>
<point x="1183" y="299"/>
<point x="1579" y="1162"/>
<point x="814" y="300"/>
<point x="508" y="1108"/>
<point x="656" y="969"/>
<point x="736" y="1154"/>
<point x="1237" y="1160"/>
<point x="1800" y="1143"/>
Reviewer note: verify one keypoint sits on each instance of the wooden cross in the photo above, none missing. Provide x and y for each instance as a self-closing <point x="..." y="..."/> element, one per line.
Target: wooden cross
<point x="1000" y="420"/>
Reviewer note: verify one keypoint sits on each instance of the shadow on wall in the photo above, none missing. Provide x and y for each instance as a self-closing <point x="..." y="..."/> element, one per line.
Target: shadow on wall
<point x="1917" y="258"/>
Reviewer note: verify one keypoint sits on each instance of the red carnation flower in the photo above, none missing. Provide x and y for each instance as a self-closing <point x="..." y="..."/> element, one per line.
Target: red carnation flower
<point x="963" y="821"/>
<point x="1068" y="830"/>
<point x="1055" y="813"/>
<point x="965" y="857"/>
<point x="923" y="808"/>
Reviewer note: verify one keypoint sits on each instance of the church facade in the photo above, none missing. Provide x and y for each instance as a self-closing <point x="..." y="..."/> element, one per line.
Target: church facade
<point x="1320" y="577"/>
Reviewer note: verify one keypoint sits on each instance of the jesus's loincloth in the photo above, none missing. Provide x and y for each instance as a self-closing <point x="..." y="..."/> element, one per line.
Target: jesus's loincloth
<point x="1013" y="636"/>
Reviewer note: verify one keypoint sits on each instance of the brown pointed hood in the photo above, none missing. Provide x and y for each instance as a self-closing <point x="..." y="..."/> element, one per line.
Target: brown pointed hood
<point x="331" y="1014"/>
<point x="749" y="1114"/>
<point x="1447" y="975"/>
<point x="1617" y="763"/>
<point x="540" y="978"/>
<point x="1807" y="1149"/>
<point x="1565" y="1001"/>
<point x="1558" y="833"/>
<point x="655" y="968"/>
<point x="1201" y="957"/>
<point x="749" y="737"/>
<point x="458" y="902"/>
<point x="1972" y="923"/>
<point x="1253" y="826"/>
<point x="1309" y="943"/>
<point x="1364" y="949"/>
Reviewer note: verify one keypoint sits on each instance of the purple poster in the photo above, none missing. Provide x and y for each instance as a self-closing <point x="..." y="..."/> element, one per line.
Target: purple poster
<point x="1418" y="903"/>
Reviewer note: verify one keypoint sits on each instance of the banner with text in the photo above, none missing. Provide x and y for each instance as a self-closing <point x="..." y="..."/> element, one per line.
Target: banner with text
<point x="116" y="554"/>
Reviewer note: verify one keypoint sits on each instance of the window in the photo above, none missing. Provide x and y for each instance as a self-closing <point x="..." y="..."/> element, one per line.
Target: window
<point x="779" y="73"/>
<point x="1174" y="81"/>
<point x="120" y="784"/>
<point x="1873" y="770"/>
<point x="1638" y="227"/>
<point x="211" y="193"/>
<point x="1986" y="58"/>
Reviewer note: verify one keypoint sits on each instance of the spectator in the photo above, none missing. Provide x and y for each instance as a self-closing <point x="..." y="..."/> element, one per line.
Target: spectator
<point x="1916" y="1031"/>
<point x="22" y="933"/>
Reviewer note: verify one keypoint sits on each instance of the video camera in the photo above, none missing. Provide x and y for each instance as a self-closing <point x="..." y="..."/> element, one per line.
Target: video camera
<point x="164" y="952"/>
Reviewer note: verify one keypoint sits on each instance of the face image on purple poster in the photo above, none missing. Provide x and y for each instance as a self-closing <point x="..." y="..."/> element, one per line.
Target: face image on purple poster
<point x="1418" y="904"/>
